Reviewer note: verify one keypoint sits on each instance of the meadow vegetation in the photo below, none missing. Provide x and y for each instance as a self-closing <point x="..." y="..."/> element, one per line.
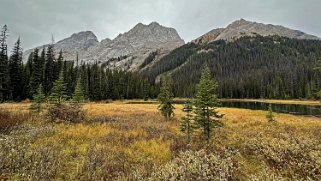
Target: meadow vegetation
<point x="133" y="142"/>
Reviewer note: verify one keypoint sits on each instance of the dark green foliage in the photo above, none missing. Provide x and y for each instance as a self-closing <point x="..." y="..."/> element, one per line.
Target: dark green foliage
<point x="270" y="116"/>
<point x="95" y="82"/>
<point x="37" y="73"/>
<point x="58" y="65"/>
<point x="78" y="95"/>
<point x="149" y="59"/>
<point x="176" y="58"/>
<point x="315" y="87"/>
<point x="15" y="72"/>
<point x="38" y="98"/>
<point x="4" y="74"/>
<point x="319" y="95"/>
<point x="59" y="90"/>
<point x="43" y="63"/>
<point x="251" y="67"/>
<point x="186" y="125"/>
<point x="206" y="115"/>
<point x="166" y="99"/>
<point x="27" y="71"/>
<point x="49" y="74"/>
<point x="69" y="72"/>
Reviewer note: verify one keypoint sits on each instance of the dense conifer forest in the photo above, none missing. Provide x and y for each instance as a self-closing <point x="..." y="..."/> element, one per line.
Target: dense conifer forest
<point x="19" y="81"/>
<point x="251" y="67"/>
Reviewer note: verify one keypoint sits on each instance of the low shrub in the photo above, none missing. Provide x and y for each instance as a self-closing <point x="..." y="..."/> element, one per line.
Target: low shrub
<point x="298" y="156"/>
<point x="199" y="165"/>
<point x="10" y="119"/>
<point x="66" y="113"/>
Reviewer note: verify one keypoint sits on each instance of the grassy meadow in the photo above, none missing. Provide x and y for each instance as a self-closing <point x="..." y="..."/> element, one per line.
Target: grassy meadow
<point x="119" y="141"/>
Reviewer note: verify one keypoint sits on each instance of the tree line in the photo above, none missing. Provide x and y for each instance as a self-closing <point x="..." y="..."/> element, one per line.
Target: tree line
<point x="19" y="81"/>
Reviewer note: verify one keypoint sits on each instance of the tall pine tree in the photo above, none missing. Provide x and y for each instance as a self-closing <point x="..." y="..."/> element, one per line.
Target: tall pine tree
<point x="3" y="64"/>
<point x="15" y="71"/>
<point x="58" y="65"/>
<point x="37" y="73"/>
<point x="49" y="76"/>
<point x="207" y="117"/>
<point x="166" y="99"/>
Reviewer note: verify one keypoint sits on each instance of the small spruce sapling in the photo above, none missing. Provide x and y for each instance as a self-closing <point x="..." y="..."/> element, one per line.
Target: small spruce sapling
<point x="38" y="99"/>
<point x="59" y="90"/>
<point x="186" y="125"/>
<point x="78" y="95"/>
<point x="270" y="116"/>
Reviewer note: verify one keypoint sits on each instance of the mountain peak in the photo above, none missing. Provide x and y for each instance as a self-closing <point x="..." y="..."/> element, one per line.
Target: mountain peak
<point x="242" y="27"/>
<point x="140" y="26"/>
<point x="153" y="24"/>
<point x="239" y="23"/>
<point x="84" y="33"/>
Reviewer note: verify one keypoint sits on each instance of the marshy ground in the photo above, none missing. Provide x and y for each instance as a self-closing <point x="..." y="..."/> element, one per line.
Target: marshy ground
<point x="133" y="142"/>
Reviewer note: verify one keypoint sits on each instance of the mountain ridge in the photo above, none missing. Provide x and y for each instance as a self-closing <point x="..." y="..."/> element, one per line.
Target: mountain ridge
<point x="130" y="49"/>
<point x="132" y="46"/>
<point x="242" y="27"/>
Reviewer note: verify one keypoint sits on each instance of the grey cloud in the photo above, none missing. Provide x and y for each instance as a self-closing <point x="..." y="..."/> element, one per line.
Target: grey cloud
<point x="36" y="20"/>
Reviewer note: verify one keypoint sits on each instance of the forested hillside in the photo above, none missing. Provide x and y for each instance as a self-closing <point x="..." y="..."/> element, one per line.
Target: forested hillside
<point x="250" y="67"/>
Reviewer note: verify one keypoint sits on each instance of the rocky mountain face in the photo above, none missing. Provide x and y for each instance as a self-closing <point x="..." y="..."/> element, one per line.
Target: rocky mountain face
<point x="241" y="28"/>
<point x="77" y="43"/>
<point x="130" y="49"/>
<point x="126" y="51"/>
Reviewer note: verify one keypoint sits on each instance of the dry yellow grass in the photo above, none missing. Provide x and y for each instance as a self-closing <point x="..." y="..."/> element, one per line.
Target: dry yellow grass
<point x="132" y="141"/>
<point x="18" y="107"/>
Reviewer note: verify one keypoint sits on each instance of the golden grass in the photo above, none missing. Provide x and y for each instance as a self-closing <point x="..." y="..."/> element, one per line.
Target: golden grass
<point x="132" y="141"/>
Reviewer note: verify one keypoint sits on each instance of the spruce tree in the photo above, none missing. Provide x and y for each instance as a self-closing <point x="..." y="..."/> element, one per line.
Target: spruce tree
<point x="166" y="99"/>
<point x="84" y="79"/>
<point x="49" y="76"/>
<point x="38" y="98"/>
<point x="15" y="71"/>
<point x="206" y="115"/>
<point x="27" y="71"/>
<point x="145" y="90"/>
<point x="37" y="72"/>
<point x="319" y="95"/>
<point x="3" y="64"/>
<point x="186" y="125"/>
<point x="95" y="82"/>
<point x="43" y="63"/>
<point x="58" y="65"/>
<point x="78" y="95"/>
<point x="59" y="90"/>
<point x="269" y="115"/>
<point x="318" y="70"/>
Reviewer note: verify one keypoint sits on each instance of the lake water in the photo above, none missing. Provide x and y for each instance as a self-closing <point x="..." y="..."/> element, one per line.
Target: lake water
<point x="305" y="110"/>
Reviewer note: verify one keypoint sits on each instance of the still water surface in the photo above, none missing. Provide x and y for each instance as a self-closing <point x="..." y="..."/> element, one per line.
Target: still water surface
<point x="306" y="110"/>
<point x="296" y="109"/>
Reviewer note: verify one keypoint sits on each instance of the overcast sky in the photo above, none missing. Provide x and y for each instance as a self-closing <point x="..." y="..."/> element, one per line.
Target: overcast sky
<point x="36" y="20"/>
